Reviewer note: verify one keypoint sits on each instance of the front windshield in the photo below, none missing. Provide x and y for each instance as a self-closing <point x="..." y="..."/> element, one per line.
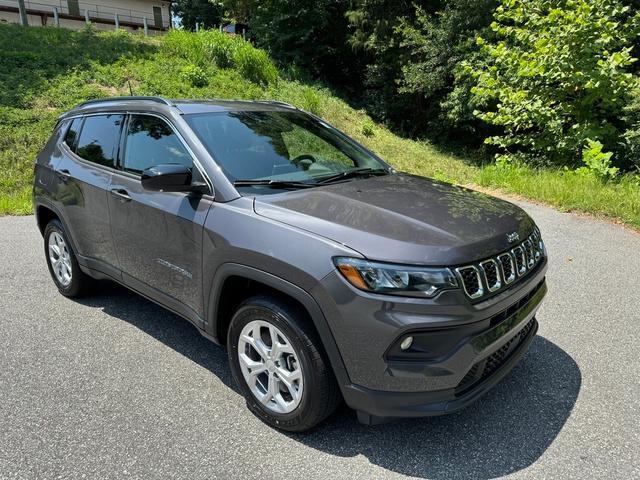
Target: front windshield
<point x="277" y="146"/>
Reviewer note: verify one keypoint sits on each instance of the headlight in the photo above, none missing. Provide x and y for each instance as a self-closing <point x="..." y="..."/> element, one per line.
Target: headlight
<point x="395" y="279"/>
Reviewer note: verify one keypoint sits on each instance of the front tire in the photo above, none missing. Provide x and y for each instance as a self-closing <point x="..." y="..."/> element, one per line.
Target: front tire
<point x="279" y="366"/>
<point x="62" y="262"/>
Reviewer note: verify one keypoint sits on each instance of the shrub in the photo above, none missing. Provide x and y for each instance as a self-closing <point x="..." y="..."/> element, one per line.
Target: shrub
<point x="597" y="162"/>
<point x="255" y="65"/>
<point x="631" y="136"/>
<point x="557" y="74"/>
<point x="195" y="75"/>
<point x="213" y="48"/>
<point x="368" y="128"/>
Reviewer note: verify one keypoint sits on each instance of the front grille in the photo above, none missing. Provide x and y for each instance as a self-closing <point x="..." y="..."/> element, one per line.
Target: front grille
<point x="485" y="368"/>
<point x="499" y="357"/>
<point x="470" y="377"/>
<point x="494" y="274"/>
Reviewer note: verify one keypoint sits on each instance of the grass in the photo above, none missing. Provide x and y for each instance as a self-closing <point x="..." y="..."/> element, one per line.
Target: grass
<point x="46" y="71"/>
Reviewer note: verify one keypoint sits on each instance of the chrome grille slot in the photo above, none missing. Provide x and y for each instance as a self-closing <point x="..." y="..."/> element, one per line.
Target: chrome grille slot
<point x="508" y="267"/>
<point x="491" y="274"/>
<point x="471" y="281"/>
<point x="521" y="261"/>
<point x="536" y="247"/>
<point x="528" y="248"/>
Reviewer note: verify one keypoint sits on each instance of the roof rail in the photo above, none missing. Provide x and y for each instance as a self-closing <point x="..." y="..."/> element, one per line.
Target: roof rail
<point x="276" y="102"/>
<point x="162" y="100"/>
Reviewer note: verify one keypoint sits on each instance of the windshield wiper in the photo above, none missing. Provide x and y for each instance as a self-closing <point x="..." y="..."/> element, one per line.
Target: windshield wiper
<point x="265" y="182"/>
<point x="352" y="174"/>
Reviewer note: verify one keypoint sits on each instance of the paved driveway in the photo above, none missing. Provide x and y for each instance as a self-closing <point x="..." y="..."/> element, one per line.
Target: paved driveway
<point x="115" y="387"/>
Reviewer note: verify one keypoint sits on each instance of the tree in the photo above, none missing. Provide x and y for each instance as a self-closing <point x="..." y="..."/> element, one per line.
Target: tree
<point x="306" y="34"/>
<point x="240" y="10"/>
<point x="556" y="75"/>
<point x="412" y="51"/>
<point x="207" y="13"/>
<point x="437" y="44"/>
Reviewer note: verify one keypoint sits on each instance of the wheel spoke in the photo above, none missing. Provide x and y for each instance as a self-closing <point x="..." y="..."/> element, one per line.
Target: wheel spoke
<point x="288" y="379"/>
<point x="280" y="401"/>
<point x="271" y="385"/>
<point x="257" y="344"/>
<point x="254" y="367"/>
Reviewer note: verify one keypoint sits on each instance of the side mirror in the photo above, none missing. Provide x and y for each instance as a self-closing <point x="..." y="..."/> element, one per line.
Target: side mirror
<point x="168" y="177"/>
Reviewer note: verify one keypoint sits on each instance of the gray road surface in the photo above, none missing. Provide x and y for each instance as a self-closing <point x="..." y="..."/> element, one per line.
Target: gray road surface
<point x="115" y="387"/>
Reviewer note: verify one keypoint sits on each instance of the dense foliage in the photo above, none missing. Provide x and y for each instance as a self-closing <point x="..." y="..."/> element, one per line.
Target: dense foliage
<point x="306" y="36"/>
<point x="544" y="78"/>
<point x="557" y="76"/>
<point x="49" y="70"/>
<point x="206" y="13"/>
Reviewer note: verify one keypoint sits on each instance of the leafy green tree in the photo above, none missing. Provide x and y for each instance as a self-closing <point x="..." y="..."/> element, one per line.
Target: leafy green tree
<point x="412" y="52"/>
<point x="207" y="13"/>
<point x="437" y="44"/>
<point x="305" y="34"/>
<point x="240" y="10"/>
<point x="557" y="74"/>
<point x="631" y="136"/>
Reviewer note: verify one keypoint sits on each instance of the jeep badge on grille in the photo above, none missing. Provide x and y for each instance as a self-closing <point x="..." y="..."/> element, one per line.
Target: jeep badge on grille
<point x="513" y="237"/>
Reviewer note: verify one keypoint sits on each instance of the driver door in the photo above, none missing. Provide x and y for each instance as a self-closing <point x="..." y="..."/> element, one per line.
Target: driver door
<point x="157" y="235"/>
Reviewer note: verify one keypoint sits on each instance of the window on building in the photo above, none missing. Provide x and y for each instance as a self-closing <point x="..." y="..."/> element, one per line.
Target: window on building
<point x="74" y="7"/>
<point x="157" y="17"/>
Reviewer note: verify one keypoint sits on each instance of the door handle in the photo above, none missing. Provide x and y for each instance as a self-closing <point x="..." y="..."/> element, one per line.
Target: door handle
<point x="64" y="174"/>
<point x="121" y="193"/>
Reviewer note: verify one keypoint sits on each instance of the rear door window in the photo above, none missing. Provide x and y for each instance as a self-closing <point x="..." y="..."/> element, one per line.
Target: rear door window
<point x="99" y="138"/>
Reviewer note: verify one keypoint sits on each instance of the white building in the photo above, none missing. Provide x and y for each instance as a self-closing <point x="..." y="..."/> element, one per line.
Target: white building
<point x="103" y="14"/>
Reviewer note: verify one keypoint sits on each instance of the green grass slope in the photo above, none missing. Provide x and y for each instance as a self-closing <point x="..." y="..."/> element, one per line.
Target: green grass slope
<point x="45" y="71"/>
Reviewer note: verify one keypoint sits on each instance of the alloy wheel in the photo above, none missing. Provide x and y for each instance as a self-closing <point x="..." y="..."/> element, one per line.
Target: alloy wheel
<point x="270" y="366"/>
<point x="60" y="258"/>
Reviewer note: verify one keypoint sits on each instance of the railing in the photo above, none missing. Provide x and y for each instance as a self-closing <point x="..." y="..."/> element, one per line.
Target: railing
<point x="95" y="11"/>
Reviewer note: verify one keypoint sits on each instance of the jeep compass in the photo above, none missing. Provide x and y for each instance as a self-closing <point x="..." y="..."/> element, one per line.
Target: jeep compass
<point x="328" y="275"/>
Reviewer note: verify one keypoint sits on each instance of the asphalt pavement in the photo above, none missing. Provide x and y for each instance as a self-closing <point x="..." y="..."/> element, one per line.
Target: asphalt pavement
<point x="113" y="386"/>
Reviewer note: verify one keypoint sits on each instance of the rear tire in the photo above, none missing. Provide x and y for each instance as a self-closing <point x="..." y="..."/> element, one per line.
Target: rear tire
<point x="62" y="262"/>
<point x="296" y="388"/>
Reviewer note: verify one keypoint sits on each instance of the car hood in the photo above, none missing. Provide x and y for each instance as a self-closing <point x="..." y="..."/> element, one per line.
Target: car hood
<point x="402" y="218"/>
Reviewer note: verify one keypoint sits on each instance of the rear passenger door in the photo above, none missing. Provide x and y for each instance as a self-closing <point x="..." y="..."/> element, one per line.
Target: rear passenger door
<point x="158" y="235"/>
<point x="83" y="176"/>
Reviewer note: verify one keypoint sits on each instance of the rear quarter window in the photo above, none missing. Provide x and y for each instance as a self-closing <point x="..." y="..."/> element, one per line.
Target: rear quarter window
<point x="71" y="138"/>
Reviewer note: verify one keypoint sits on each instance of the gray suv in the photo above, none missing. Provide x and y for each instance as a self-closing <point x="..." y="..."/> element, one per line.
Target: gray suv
<point x="329" y="276"/>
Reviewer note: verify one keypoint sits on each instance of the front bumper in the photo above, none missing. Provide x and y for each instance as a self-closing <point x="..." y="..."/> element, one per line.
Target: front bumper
<point x="467" y="348"/>
<point x="374" y="406"/>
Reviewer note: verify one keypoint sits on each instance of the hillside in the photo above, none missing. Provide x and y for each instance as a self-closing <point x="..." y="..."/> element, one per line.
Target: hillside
<point x="45" y="71"/>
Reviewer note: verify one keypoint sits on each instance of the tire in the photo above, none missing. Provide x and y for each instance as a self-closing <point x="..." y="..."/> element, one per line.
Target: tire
<point x="318" y="393"/>
<point x="72" y="282"/>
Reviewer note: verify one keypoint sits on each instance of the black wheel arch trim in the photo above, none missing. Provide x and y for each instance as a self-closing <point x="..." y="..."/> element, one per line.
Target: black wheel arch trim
<point x="40" y="202"/>
<point x="302" y="296"/>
